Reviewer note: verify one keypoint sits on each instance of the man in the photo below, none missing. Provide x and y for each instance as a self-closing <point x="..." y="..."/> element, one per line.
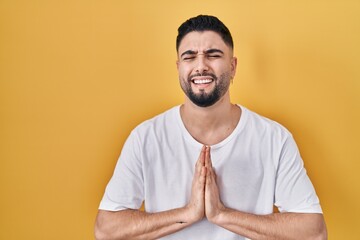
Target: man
<point x="209" y="169"/>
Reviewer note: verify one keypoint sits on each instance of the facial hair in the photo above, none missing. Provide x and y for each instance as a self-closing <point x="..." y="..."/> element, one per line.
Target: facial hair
<point x="204" y="99"/>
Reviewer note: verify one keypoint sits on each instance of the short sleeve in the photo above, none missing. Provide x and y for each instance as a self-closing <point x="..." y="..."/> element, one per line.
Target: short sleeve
<point x="125" y="189"/>
<point x="294" y="191"/>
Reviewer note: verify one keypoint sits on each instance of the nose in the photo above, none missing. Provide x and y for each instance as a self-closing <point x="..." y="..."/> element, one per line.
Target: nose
<point x="201" y="64"/>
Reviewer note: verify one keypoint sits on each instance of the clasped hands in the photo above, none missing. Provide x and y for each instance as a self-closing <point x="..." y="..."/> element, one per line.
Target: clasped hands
<point x="205" y="199"/>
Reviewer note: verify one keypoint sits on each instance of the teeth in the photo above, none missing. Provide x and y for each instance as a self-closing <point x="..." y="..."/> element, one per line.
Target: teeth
<point x="202" y="81"/>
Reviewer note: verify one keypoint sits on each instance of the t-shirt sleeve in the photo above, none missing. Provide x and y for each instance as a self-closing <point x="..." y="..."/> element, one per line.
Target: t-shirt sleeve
<point x="125" y="189"/>
<point x="294" y="191"/>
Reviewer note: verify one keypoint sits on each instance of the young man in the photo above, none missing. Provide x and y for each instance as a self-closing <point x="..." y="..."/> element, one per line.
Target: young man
<point x="209" y="169"/>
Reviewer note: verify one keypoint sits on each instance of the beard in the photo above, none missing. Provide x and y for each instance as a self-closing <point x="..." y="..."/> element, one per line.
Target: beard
<point x="203" y="99"/>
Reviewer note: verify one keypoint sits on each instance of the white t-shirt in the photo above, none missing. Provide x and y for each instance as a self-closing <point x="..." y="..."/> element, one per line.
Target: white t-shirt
<point x="258" y="165"/>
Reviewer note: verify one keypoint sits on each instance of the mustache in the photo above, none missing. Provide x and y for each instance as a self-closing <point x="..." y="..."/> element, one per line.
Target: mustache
<point x="213" y="76"/>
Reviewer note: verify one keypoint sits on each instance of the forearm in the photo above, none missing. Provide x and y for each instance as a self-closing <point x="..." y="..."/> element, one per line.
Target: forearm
<point x="273" y="226"/>
<point x="134" y="224"/>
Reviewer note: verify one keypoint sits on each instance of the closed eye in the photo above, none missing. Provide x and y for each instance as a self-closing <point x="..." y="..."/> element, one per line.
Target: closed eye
<point x="188" y="58"/>
<point x="214" y="56"/>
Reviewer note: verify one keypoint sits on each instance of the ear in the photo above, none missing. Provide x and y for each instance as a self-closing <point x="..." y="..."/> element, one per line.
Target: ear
<point x="233" y="66"/>
<point x="177" y="64"/>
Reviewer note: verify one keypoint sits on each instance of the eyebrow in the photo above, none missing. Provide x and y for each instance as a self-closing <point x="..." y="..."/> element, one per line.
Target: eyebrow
<point x="213" y="50"/>
<point x="188" y="52"/>
<point x="209" y="51"/>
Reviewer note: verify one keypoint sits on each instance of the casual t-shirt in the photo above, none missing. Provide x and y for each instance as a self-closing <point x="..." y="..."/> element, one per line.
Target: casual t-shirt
<point x="258" y="166"/>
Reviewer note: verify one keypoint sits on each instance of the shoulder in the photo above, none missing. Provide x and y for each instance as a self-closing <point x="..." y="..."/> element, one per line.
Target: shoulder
<point x="263" y="125"/>
<point x="158" y="123"/>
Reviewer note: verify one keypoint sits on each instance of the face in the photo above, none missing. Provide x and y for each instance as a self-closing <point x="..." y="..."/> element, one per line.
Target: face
<point x="206" y="66"/>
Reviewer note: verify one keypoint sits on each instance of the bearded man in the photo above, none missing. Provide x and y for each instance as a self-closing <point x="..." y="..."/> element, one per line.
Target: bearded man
<point x="209" y="169"/>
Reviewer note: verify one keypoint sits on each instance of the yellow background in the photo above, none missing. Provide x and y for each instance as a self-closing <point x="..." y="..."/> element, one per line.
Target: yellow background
<point x="77" y="76"/>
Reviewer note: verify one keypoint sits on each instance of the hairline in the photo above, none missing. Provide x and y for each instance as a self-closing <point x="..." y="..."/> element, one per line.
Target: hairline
<point x="205" y="30"/>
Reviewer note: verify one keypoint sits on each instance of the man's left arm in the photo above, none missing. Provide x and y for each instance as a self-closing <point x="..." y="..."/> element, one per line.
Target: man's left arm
<point x="273" y="226"/>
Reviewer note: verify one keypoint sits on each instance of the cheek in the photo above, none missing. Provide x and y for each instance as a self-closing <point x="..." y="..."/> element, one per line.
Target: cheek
<point x="184" y="72"/>
<point x="183" y="68"/>
<point x="224" y="68"/>
<point x="182" y="75"/>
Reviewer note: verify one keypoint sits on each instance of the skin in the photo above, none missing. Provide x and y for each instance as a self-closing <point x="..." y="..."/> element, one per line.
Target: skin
<point x="212" y="124"/>
<point x="213" y="62"/>
<point x="199" y="54"/>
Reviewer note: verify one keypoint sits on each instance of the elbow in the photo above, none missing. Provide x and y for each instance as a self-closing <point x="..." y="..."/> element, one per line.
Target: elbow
<point x="322" y="235"/>
<point x="108" y="234"/>
<point x="99" y="231"/>
<point x="314" y="228"/>
<point x="105" y="231"/>
<point x="322" y="232"/>
<point x="100" y="234"/>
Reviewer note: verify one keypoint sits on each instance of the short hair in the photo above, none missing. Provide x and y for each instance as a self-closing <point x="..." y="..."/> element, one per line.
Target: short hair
<point x="204" y="23"/>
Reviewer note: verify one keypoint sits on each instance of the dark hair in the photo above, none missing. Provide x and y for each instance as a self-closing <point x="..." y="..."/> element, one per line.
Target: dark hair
<point x="204" y="23"/>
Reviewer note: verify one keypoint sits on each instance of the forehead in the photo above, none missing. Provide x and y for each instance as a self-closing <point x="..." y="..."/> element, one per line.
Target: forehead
<point x="201" y="41"/>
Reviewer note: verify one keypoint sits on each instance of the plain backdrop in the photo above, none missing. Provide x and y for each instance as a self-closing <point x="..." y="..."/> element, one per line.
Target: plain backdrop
<point x="77" y="76"/>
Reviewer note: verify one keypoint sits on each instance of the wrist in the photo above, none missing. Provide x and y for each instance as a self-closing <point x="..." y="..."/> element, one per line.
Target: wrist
<point x="217" y="218"/>
<point x="190" y="215"/>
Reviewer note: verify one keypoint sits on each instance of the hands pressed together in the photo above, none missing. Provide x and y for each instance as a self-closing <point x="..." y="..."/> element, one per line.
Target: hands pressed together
<point x="205" y="202"/>
<point x="205" y="199"/>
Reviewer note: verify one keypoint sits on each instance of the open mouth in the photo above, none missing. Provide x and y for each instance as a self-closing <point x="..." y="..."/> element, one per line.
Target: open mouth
<point x="202" y="81"/>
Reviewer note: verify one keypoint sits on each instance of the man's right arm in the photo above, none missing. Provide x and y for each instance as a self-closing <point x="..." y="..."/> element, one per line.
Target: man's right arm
<point x="136" y="224"/>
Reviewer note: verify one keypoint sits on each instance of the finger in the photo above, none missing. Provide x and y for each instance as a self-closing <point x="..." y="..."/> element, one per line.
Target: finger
<point x="214" y="176"/>
<point x="200" y="162"/>
<point x="207" y="157"/>
<point x="208" y="163"/>
<point x="202" y="155"/>
<point x="211" y="176"/>
<point x="208" y="179"/>
<point x="203" y="176"/>
<point x="213" y="173"/>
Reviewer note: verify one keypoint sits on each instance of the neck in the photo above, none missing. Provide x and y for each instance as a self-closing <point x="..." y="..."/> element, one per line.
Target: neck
<point x="210" y="125"/>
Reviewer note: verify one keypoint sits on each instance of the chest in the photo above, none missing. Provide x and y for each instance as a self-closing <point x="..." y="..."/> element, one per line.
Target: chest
<point x="243" y="174"/>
